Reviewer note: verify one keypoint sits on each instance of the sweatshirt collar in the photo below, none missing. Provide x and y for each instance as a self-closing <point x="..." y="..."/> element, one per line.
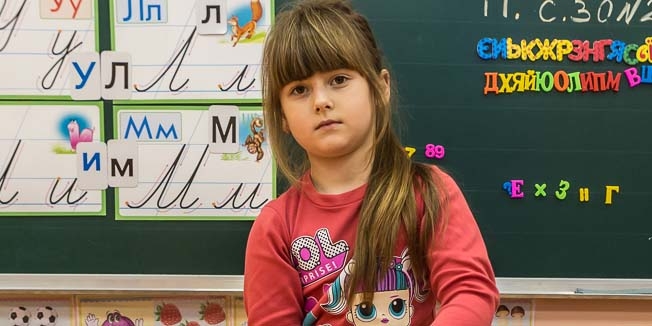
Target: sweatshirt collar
<point x="331" y="200"/>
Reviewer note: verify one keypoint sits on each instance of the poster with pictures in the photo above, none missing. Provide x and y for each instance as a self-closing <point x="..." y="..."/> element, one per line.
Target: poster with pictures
<point x="156" y="311"/>
<point x="211" y="50"/>
<point x="191" y="162"/>
<point x="30" y="310"/>
<point x="514" y="313"/>
<point x="37" y="40"/>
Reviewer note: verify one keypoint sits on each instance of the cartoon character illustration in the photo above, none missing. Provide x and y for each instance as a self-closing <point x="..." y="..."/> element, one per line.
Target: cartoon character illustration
<point x="113" y="319"/>
<point x="45" y="316"/>
<point x="250" y="27"/>
<point x="76" y="136"/>
<point x="254" y="141"/>
<point x="19" y="316"/>
<point x="392" y="302"/>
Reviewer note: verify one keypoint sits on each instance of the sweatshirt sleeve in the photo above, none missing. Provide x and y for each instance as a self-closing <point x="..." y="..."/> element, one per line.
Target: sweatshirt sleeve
<point x="272" y="289"/>
<point x="460" y="271"/>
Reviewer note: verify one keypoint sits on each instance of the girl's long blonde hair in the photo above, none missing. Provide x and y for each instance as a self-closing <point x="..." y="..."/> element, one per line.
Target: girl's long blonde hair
<point x="324" y="35"/>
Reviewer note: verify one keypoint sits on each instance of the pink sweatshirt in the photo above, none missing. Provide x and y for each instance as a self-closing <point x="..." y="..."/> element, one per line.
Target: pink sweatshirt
<point x="299" y="257"/>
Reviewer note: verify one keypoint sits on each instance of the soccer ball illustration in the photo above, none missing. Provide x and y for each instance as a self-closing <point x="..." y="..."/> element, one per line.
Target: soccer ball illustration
<point x="45" y="316"/>
<point x="19" y="316"/>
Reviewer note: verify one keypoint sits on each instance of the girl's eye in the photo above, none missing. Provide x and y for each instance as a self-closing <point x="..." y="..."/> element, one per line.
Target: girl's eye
<point x="298" y="90"/>
<point x="397" y="308"/>
<point x="366" y="311"/>
<point x="338" y="80"/>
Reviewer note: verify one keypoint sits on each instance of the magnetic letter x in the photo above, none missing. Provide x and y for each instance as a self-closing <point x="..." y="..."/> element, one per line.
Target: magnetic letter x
<point x="541" y="190"/>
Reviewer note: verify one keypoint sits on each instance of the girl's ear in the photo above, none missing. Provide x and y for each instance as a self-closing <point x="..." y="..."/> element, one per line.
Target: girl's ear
<point x="384" y="77"/>
<point x="285" y="125"/>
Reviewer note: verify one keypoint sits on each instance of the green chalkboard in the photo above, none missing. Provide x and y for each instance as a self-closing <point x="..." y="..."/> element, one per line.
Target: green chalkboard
<point x="591" y="139"/>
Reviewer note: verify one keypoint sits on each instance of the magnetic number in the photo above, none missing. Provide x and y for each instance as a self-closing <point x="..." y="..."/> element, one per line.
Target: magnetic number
<point x="435" y="151"/>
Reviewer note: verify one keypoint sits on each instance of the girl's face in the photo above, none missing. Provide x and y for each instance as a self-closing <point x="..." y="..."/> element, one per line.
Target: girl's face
<point x="388" y="308"/>
<point x="330" y="114"/>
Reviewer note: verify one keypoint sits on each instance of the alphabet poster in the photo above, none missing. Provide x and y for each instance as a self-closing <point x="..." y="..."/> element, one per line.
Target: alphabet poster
<point x="37" y="38"/>
<point x="38" y="155"/>
<point x="191" y="162"/>
<point x="179" y="50"/>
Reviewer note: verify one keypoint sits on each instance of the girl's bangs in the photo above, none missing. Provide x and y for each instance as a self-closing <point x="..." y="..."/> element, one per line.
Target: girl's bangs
<point x="303" y="51"/>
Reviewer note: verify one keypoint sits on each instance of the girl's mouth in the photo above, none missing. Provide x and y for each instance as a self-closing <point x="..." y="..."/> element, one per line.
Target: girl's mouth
<point x="326" y="123"/>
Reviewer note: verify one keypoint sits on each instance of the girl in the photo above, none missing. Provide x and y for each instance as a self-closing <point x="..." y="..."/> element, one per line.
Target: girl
<point x="357" y="201"/>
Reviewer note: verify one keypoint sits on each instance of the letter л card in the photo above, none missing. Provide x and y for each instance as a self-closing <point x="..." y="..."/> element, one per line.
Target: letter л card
<point x="211" y="17"/>
<point x="116" y="75"/>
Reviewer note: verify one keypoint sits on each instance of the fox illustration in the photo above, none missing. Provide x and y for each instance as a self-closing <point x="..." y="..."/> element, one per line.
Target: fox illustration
<point x="249" y="28"/>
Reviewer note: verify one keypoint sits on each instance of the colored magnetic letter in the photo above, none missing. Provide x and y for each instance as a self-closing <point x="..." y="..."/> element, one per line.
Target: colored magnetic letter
<point x="516" y="189"/>
<point x="608" y="193"/>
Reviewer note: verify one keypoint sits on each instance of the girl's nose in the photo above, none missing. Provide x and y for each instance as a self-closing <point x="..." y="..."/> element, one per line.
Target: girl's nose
<point x="322" y="100"/>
